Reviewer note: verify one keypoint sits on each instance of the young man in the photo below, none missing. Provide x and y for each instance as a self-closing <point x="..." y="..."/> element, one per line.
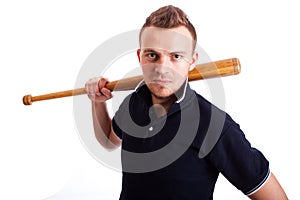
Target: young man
<point x="163" y="125"/>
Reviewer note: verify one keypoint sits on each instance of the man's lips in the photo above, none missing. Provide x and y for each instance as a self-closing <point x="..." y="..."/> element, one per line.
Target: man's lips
<point x="162" y="82"/>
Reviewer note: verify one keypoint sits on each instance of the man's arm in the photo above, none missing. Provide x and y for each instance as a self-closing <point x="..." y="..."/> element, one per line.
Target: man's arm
<point x="102" y="122"/>
<point x="271" y="190"/>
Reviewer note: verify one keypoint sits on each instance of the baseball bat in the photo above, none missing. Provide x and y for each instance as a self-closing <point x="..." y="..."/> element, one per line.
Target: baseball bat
<point x="219" y="68"/>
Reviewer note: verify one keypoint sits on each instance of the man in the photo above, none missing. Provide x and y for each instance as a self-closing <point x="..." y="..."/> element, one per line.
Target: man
<point x="164" y="125"/>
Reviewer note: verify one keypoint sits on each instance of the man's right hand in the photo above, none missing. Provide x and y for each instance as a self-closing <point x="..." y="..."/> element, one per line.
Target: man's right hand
<point x="96" y="91"/>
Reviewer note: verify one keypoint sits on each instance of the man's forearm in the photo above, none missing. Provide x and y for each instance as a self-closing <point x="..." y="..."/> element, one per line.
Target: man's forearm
<point x="102" y="123"/>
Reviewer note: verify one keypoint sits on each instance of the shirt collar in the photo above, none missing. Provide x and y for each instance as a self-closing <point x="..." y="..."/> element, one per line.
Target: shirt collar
<point x="182" y="92"/>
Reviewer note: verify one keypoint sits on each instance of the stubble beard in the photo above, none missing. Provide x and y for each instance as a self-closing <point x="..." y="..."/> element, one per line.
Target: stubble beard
<point x="160" y="93"/>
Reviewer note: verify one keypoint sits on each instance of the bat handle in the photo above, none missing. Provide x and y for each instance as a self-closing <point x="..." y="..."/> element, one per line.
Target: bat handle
<point x="28" y="99"/>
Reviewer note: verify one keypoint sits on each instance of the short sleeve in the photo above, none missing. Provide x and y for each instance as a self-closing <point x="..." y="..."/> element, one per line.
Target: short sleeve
<point x="119" y="119"/>
<point x="116" y="128"/>
<point x="244" y="166"/>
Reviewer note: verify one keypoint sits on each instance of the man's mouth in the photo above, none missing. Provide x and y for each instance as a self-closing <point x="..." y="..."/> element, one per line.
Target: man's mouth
<point x="161" y="82"/>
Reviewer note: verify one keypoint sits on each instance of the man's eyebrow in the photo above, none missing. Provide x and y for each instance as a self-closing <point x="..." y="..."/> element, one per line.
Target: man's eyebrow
<point x="179" y="52"/>
<point x="148" y="50"/>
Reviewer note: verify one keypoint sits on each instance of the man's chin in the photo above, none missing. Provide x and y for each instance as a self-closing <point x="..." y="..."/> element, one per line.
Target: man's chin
<point x="161" y="97"/>
<point x="160" y="92"/>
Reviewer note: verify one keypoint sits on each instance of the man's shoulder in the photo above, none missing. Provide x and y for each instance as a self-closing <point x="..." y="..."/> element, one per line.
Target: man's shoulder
<point x="214" y="112"/>
<point x="208" y="106"/>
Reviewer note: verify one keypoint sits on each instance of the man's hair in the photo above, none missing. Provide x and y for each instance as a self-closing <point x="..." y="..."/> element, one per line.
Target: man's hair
<point x="169" y="17"/>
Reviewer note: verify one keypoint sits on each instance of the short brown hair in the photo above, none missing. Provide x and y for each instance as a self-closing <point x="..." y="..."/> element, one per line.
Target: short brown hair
<point x="170" y="17"/>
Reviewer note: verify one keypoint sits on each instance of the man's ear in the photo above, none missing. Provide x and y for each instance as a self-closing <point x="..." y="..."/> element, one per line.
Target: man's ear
<point x="194" y="59"/>
<point x="138" y="52"/>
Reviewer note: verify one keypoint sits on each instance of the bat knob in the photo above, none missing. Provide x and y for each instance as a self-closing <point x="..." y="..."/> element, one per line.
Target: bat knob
<point x="237" y="65"/>
<point x="27" y="100"/>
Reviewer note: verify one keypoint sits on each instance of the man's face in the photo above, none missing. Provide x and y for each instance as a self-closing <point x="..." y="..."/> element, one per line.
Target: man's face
<point x="166" y="55"/>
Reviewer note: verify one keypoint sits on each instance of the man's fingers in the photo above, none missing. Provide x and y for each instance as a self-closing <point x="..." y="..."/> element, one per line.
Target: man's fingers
<point x="106" y="92"/>
<point x="91" y="86"/>
<point x="96" y="91"/>
<point x="102" y="82"/>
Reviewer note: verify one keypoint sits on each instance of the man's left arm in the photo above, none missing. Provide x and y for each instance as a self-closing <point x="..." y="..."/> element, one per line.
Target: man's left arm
<point x="271" y="190"/>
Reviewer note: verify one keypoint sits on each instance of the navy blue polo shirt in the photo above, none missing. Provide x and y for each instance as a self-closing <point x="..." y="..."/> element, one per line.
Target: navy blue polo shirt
<point x="180" y="155"/>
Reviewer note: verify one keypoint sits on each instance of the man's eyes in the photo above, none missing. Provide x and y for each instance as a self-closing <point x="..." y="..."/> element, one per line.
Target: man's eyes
<point x="173" y="57"/>
<point x="176" y="56"/>
<point x="152" y="55"/>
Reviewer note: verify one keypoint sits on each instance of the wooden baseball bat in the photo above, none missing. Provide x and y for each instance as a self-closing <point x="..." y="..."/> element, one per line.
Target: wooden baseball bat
<point x="219" y="68"/>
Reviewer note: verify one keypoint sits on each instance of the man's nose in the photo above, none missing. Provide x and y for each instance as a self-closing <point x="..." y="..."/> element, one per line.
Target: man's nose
<point x="163" y="64"/>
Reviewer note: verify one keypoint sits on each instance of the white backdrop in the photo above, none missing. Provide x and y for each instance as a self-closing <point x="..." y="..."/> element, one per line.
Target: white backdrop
<point x="43" y="45"/>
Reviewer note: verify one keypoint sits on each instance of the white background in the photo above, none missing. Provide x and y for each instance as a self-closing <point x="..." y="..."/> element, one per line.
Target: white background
<point x="43" y="45"/>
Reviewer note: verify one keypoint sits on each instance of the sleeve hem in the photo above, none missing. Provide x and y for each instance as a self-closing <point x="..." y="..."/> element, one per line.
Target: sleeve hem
<point x="255" y="189"/>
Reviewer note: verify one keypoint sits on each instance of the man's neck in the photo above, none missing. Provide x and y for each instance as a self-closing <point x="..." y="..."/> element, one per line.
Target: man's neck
<point x="162" y="105"/>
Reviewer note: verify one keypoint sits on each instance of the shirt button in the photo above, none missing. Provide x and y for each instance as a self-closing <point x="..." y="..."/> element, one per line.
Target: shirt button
<point x="151" y="128"/>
